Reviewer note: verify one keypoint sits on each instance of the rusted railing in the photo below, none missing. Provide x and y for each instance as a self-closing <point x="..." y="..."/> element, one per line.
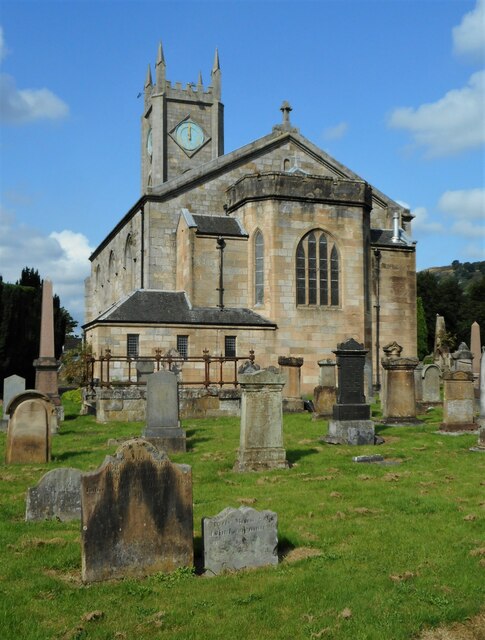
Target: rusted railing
<point x="202" y="371"/>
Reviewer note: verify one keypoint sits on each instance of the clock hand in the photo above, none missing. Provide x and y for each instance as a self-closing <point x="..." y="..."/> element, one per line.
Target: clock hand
<point x="190" y="132"/>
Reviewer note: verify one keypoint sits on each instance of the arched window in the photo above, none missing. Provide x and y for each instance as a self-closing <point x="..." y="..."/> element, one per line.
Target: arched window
<point x="258" y="268"/>
<point x="128" y="262"/>
<point x="97" y="276"/>
<point x="317" y="275"/>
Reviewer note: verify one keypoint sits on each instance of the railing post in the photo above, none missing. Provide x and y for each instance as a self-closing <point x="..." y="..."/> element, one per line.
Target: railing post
<point x="107" y="356"/>
<point x="206" y="356"/>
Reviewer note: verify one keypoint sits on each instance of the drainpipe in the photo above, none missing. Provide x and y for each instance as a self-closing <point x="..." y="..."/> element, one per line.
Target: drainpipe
<point x="221" y="245"/>
<point x="377" y="306"/>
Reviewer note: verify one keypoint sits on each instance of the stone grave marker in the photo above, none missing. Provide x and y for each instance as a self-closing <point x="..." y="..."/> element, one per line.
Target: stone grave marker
<point x="462" y="358"/>
<point x="144" y="368"/>
<point x="418" y="382"/>
<point x="325" y="394"/>
<point x="400" y="403"/>
<point x="458" y="401"/>
<point x="29" y="428"/>
<point x="57" y="496"/>
<point x="136" y="514"/>
<point x="162" y="413"/>
<point x="12" y="386"/>
<point x="291" y="367"/>
<point x="481" y="419"/>
<point x="431" y="378"/>
<point x="261" y="436"/>
<point x="351" y="423"/>
<point x="239" y="539"/>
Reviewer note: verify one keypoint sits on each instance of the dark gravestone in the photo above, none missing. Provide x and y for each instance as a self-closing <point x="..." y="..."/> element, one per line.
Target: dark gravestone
<point x="351" y="404"/>
<point x="351" y="423"/>
<point x="239" y="539"/>
<point x="57" y="496"/>
<point x="136" y="514"/>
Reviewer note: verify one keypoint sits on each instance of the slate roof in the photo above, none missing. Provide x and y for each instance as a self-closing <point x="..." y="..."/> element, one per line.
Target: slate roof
<point x="172" y="307"/>
<point x="218" y="226"/>
<point x="383" y="238"/>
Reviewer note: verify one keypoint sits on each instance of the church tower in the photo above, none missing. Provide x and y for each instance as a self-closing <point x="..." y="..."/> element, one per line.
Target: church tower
<point x="182" y="127"/>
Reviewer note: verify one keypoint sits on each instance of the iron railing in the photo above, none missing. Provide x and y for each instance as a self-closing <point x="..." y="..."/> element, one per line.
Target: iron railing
<point x="202" y="371"/>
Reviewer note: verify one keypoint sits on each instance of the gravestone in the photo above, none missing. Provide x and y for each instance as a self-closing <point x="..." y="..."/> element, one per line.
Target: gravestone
<point x="325" y="394"/>
<point x="12" y="386"/>
<point x="481" y="419"/>
<point x="57" y="496"/>
<point x="431" y="379"/>
<point x="351" y="423"/>
<point x="261" y="437"/>
<point x="462" y="359"/>
<point x="240" y="539"/>
<point x="475" y="348"/>
<point x="46" y="365"/>
<point x="29" y="428"/>
<point x="136" y="514"/>
<point x="144" y="368"/>
<point x="441" y="352"/>
<point x="458" y="401"/>
<point x="400" y="402"/>
<point x="418" y="382"/>
<point x="291" y="367"/>
<point x="162" y="413"/>
<point x="392" y="351"/>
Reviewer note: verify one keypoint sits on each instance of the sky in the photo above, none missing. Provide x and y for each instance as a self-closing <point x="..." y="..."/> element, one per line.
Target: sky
<point x="393" y="89"/>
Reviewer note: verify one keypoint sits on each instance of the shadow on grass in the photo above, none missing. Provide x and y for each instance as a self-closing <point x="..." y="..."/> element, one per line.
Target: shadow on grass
<point x="193" y="439"/>
<point x="71" y="454"/>
<point x="293" y="455"/>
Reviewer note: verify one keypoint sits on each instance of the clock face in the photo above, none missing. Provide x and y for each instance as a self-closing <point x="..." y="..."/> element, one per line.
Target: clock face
<point x="189" y="135"/>
<point x="149" y="143"/>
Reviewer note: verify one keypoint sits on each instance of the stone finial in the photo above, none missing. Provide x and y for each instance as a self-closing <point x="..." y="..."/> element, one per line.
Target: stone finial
<point x="160" y="68"/>
<point x="392" y="350"/>
<point x="148" y="80"/>
<point x="216" y="66"/>
<point x="216" y="76"/>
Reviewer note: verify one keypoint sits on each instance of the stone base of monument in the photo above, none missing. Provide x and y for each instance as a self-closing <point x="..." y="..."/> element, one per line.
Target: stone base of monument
<point x="169" y="439"/>
<point x="404" y="421"/>
<point x="293" y="405"/>
<point x="458" y="428"/>
<point x="354" y="432"/>
<point x="261" y="459"/>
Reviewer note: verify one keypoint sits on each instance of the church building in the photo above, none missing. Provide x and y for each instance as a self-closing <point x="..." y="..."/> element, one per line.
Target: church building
<point x="274" y="247"/>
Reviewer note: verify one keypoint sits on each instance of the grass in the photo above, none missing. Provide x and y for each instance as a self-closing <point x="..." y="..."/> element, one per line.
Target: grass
<point x="368" y="551"/>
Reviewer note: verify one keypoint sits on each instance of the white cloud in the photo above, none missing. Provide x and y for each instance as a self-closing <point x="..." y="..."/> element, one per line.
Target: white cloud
<point x="62" y="256"/>
<point x="474" y="251"/>
<point x="464" y="204"/>
<point x="19" y="106"/>
<point x="469" y="35"/>
<point x="336" y="132"/>
<point x="451" y="125"/>
<point x="421" y="224"/>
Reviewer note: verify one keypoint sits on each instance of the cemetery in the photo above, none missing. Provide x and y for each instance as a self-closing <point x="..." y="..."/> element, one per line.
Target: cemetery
<point x="113" y="537"/>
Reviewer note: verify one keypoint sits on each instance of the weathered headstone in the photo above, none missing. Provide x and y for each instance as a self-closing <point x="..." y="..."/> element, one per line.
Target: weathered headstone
<point x="29" y="428"/>
<point x="418" y="382"/>
<point x="400" y="402"/>
<point x="12" y="386"/>
<point x="462" y="358"/>
<point x="431" y="379"/>
<point x="481" y="419"/>
<point x="392" y="351"/>
<point x="291" y="367"/>
<point x="261" y="438"/>
<point x="458" y="401"/>
<point x="57" y="496"/>
<point x="351" y="423"/>
<point x="162" y="413"/>
<point x="46" y="365"/>
<point x="325" y="394"/>
<point x="136" y="514"/>
<point x="441" y="351"/>
<point x="239" y="539"/>
<point x="144" y="368"/>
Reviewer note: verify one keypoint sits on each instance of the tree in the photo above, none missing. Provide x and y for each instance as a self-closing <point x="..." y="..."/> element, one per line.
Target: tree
<point x="428" y="290"/>
<point x="20" y="313"/>
<point x="422" y="330"/>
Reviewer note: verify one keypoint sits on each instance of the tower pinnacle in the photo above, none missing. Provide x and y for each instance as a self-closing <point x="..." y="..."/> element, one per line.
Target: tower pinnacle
<point x="160" y="68"/>
<point x="216" y="76"/>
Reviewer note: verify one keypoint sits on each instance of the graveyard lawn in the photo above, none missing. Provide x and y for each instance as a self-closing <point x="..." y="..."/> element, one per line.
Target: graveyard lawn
<point x="367" y="551"/>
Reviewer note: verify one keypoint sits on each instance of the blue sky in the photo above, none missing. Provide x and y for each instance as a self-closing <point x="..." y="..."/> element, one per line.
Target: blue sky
<point x="394" y="89"/>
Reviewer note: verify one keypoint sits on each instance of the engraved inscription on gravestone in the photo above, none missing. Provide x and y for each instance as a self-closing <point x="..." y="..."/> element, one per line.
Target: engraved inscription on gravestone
<point x="57" y="495"/>
<point x="240" y="538"/>
<point x="136" y="514"/>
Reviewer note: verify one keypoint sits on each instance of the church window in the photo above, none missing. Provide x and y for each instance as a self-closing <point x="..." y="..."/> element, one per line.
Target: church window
<point x="132" y="345"/>
<point x="317" y="274"/>
<point x="286" y="164"/>
<point x="183" y="346"/>
<point x="230" y="346"/>
<point x="258" y="268"/>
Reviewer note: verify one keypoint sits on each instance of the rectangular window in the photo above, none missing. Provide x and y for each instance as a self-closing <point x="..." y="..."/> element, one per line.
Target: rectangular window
<point x="183" y="346"/>
<point x="230" y="346"/>
<point x="132" y="345"/>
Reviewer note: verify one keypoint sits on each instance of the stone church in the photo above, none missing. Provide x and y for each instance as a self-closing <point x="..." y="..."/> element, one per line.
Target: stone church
<point x="275" y="247"/>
